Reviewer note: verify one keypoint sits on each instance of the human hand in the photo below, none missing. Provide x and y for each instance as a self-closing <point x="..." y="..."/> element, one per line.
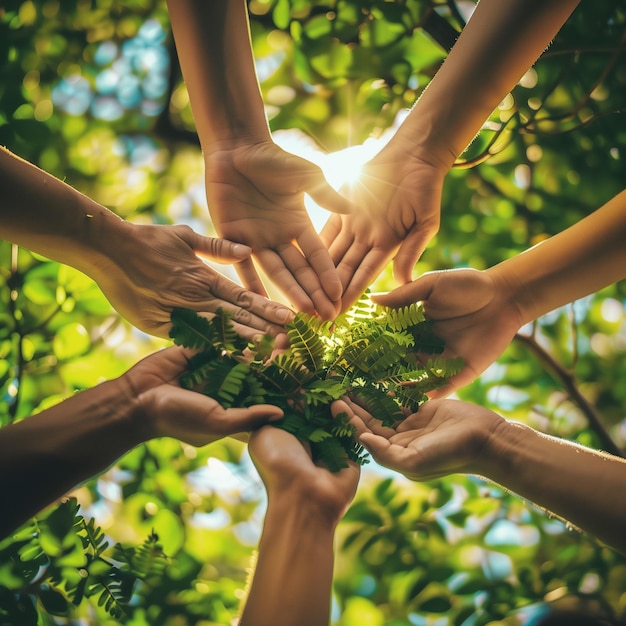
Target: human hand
<point x="150" y="269"/>
<point x="398" y="199"/>
<point x="288" y="471"/>
<point x="473" y="313"/>
<point x="444" y="437"/>
<point x="164" y="409"/>
<point x="256" y="197"/>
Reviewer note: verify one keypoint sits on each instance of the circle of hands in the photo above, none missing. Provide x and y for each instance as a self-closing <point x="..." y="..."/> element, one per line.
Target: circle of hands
<point x="256" y="196"/>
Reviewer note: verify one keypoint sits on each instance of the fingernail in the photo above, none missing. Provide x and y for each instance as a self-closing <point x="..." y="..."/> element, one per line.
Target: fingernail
<point x="241" y="251"/>
<point x="285" y="315"/>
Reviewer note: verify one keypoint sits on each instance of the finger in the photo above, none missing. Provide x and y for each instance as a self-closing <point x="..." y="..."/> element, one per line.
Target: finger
<point x="324" y="195"/>
<point x="274" y="266"/>
<point x="319" y="259"/>
<point x="309" y="281"/>
<point x="418" y="290"/>
<point x="218" y="249"/>
<point x="250" y="277"/>
<point x="409" y="252"/>
<point x="369" y="269"/>
<point x="238" y="420"/>
<point x="245" y="307"/>
<point x="331" y="229"/>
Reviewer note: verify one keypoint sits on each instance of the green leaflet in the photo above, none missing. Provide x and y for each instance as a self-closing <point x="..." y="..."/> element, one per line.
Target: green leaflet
<point x="368" y="352"/>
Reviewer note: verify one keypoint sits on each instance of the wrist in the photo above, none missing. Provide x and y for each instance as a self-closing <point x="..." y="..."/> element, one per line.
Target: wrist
<point x="300" y="509"/>
<point x="420" y="139"/>
<point x="513" y="292"/>
<point x="503" y="453"/>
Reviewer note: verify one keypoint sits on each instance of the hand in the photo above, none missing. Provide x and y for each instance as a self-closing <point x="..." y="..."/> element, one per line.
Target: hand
<point x="152" y="269"/>
<point x="164" y="409"/>
<point x="444" y="437"/>
<point x="398" y="199"/>
<point x="287" y="469"/>
<point x="473" y="313"/>
<point x="256" y="197"/>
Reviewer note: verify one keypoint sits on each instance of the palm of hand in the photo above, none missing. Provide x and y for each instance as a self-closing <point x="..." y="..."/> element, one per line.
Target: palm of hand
<point x="397" y="210"/>
<point x="256" y="196"/>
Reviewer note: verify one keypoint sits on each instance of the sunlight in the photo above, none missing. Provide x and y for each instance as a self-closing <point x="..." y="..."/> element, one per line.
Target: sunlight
<point x="340" y="168"/>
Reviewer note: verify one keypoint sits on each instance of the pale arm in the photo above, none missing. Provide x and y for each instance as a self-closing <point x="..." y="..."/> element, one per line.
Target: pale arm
<point x="45" y="455"/>
<point x="477" y="313"/>
<point x="499" y="43"/>
<point x="579" y="261"/>
<point x="255" y="190"/>
<point x="293" y="576"/>
<point x="578" y="484"/>
<point x="144" y="270"/>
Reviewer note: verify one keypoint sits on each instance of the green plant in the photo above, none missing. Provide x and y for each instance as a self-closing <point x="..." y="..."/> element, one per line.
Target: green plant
<point x="369" y="352"/>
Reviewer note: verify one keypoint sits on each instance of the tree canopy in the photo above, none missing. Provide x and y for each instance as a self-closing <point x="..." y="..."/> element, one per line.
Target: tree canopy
<point x="91" y="92"/>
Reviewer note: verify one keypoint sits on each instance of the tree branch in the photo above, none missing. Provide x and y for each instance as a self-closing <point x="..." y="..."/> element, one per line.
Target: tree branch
<point x="568" y="381"/>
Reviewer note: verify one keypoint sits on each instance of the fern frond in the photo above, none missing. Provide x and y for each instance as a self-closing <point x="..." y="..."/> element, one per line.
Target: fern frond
<point x="232" y="385"/>
<point x="324" y="391"/>
<point x="286" y="372"/>
<point x="379" y="404"/>
<point x="305" y="340"/>
<point x="191" y="330"/>
<point x="403" y="317"/>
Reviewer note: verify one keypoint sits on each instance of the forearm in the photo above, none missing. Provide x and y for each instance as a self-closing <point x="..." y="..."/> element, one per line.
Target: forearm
<point x="293" y="576"/>
<point x="577" y="262"/>
<point x="497" y="46"/>
<point x="44" y="456"/>
<point x="215" y="54"/>
<point x="580" y="485"/>
<point x="49" y="217"/>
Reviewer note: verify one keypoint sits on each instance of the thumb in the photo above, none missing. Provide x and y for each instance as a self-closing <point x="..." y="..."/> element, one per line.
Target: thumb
<point x="418" y="290"/>
<point x="241" y="420"/>
<point x="320" y="190"/>
<point x="408" y="253"/>
<point x="215" y="247"/>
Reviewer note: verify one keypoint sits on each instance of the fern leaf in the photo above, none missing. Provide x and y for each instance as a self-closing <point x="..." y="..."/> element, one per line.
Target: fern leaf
<point x="305" y="340"/>
<point x="402" y="318"/>
<point x="379" y="404"/>
<point x="191" y="330"/>
<point x="324" y="391"/>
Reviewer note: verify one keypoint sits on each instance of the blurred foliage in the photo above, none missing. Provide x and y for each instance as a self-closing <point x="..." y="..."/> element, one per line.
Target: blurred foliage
<point x="90" y="91"/>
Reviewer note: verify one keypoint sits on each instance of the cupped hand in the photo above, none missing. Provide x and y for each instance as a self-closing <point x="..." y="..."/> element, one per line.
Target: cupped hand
<point x="152" y="269"/>
<point x="397" y="202"/>
<point x="473" y="313"/>
<point x="164" y="409"/>
<point x="286" y="467"/>
<point x="256" y="197"/>
<point x="444" y="437"/>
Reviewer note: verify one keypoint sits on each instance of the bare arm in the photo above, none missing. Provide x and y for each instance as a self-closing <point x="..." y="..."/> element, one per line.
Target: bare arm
<point x="43" y="456"/>
<point x="293" y="576"/>
<point x="144" y="270"/>
<point x="498" y="44"/>
<point x="399" y="193"/>
<point x="582" y="259"/>
<point x="255" y="190"/>
<point x="477" y="313"/>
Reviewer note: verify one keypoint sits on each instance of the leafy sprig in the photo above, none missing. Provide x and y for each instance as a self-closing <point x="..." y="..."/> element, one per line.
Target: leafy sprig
<point x="368" y="352"/>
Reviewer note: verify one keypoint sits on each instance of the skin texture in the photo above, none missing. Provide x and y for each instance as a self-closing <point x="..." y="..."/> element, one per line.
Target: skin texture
<point x="144" y="270"/>
<point x="448" y="436"/>
<point x="399" y="194"/>
<point x="477" y="313"/>
<point x="293" y="577"/>
<point x="255" y="190"/>
<point x="45" y="455"/>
